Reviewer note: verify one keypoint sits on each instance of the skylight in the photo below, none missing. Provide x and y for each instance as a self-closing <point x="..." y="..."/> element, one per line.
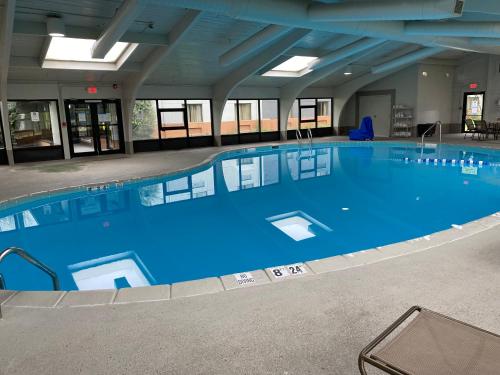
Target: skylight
<point x="295" y="66"/>
<point x="73" y="53"/>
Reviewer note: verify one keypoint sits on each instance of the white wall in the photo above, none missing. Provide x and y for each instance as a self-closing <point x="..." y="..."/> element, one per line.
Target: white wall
<point x="471" y="70"/>
<point x="403" y="82"/>
<point x="434" y="93"/>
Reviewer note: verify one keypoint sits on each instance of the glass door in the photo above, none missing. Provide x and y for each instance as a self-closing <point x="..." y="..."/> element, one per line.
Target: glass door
<point x="473" y="109"/>
<point x="95" y="127"/>
<point x="81" y="129"/>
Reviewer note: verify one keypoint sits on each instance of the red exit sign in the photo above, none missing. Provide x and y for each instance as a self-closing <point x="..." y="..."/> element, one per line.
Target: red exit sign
<point x="473" y="85"/>
<point x="92" y="90"/>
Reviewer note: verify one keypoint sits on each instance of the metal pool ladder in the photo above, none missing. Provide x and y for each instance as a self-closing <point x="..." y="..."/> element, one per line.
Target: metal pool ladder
<point x="30" y="259"/>
<point x="422" y="143"/>
<point x="310" y="137"/>
<point x="298" y="135"/>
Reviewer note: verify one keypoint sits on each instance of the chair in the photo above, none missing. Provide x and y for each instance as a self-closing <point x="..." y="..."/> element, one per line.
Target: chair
<point x="481" y="129"/>
<point x="433" y="344"/>
<point x="365" y="131"/>
<point x="470" y="127"/>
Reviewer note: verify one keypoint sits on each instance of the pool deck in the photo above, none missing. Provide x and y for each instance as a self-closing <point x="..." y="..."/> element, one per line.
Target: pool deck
<point x="310" y="325"/>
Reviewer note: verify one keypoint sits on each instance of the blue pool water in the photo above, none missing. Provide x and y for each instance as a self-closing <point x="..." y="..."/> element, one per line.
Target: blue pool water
<point x="248" y="210"/>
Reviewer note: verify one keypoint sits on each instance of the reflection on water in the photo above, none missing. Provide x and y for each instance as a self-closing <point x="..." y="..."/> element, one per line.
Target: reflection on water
<point x="251" y="172"/>
<point x="304" y="164"/>
<point x="250" y="211"/>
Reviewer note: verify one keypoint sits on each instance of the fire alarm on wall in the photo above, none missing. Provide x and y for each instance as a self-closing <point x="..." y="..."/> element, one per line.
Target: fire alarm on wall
<point x="92" y="90"/>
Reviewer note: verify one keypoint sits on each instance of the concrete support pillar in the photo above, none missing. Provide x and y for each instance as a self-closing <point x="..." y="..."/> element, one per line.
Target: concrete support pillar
<point x="338" y="107"/>
<point x="286" y="104"/>
<point x="218" y="105"/>
<point x="5" y="123"/>
<point x="128" y="103"/>
<point x="64" y="124"/>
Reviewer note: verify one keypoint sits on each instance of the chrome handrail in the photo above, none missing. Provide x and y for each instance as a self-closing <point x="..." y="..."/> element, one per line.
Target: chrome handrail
<point x="27" y="257"/>
<point x="310" y="137"/>
<point x="298" y="135"/>
<point x="422" y="143"/>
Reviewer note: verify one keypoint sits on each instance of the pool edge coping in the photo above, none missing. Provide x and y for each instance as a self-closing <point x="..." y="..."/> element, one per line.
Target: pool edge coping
<point x="217" y="284"/>
<point x="196" y="288"/>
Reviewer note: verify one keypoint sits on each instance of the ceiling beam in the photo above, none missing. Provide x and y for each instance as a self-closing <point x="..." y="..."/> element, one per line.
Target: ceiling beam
<point x="40" y="29"/>
<point x="406" y="59"/>
<point x="294" y="13"/>
<point x="292" y="90"/>
<point x="224" y="86"/>
<point x="466" y="29"/>
<point x="119" y="24"/>
<point x="385" y="10"/>
<point x="347" y="51"/>
<point x="256" y="42"/>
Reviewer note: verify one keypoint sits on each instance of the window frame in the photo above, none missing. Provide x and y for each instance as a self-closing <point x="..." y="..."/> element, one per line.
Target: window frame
<point x="53" y="147"/>
<point x="259" y="111"/>
<point x="315" y="106"/>
<point x="186" y="117"/>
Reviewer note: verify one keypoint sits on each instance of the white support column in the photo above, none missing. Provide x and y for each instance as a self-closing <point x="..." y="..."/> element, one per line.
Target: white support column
<point x="64" y="123"/>
<point x="131" y="87"/>
<point x="226" y="85"/>
<point x="291" y="91"/>
<point x="7" y="26"/>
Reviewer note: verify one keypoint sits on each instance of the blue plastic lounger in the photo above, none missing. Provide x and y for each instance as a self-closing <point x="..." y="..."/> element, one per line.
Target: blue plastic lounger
<point x="365" y="131"/>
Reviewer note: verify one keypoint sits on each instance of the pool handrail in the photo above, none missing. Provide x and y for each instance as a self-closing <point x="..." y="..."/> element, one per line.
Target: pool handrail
<point x="30" y="259"/>
<point x="298" y="135"/>
<point x="422" y="143"/>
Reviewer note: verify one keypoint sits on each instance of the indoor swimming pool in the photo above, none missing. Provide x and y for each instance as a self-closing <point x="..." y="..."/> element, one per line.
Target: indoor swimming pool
<point x="248" y="209"/>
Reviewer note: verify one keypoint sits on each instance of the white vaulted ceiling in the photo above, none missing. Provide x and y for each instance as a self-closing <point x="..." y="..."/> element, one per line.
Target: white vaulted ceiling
<point x="195" y="59"/>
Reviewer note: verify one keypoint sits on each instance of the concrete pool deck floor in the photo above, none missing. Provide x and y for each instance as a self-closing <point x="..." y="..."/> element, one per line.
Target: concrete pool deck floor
<point x="312" y="325"/>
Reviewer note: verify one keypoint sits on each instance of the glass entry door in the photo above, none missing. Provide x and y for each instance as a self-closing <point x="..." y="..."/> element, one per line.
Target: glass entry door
<point x="473" y="108"/>
<point x="95" y="127"/>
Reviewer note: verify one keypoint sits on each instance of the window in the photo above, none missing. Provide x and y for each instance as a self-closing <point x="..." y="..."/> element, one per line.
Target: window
<point x="245" y="116"/>
<point x="248" y="116"/>
<point x="324" y="113"/>
<point x="199" y="118"/>
<point x="310" y="114"/>
<point x="195" y="113"/>
<point x="144" y="120"/>
<point x="34" y="124"/>
<point x="269" y="116"/>
<point x="172" y="114"/>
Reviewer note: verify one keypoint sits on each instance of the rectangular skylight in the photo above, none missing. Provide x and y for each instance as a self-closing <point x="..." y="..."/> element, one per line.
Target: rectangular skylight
<point x="295" y="66"/>
<point x="75" y="53"/>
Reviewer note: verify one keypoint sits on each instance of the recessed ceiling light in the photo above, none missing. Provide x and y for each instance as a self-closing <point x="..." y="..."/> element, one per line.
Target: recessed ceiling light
<point x="424" y="74"/>
<point x="348" y="70"/>
<point x="295" y="66"/>
<point x="55" y="26"/>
